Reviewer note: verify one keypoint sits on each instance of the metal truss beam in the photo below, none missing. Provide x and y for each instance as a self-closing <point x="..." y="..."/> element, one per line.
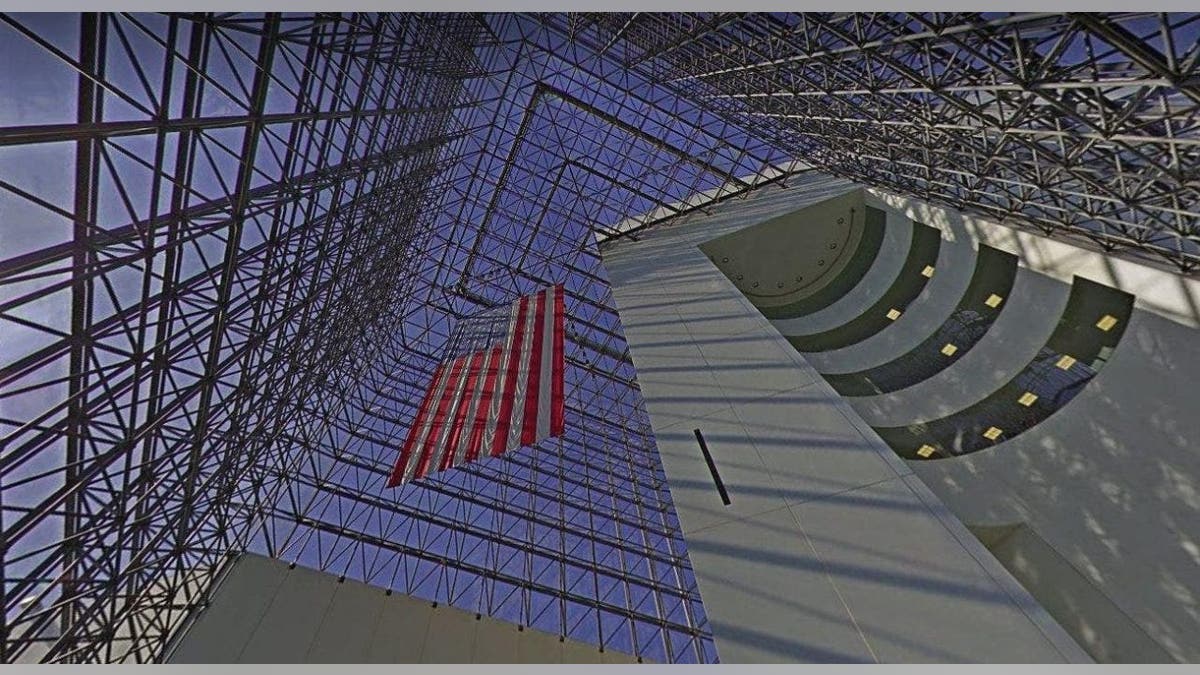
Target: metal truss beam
<point x="242" y="242"/>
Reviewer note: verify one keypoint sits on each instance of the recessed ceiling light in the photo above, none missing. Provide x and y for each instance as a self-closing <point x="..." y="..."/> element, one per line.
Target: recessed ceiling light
<point x="1106" y="322"/>
<point x="1027" y="399"/>
<point x="992" y="433"/>
<point x="893" y="314"/>
<point x="993" y="300"/>
<point x="926" y="451"/>
<point x="1065" y="362"/>
<point x="927" y="272"/>
<point x="949" y="349"/>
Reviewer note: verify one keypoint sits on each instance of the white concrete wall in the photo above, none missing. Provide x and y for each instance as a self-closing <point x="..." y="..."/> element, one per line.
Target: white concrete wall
<point x="266" y="612"/>
<point x="831" y="550"/>
<point x="1110" y="483"/>
<point x="1066" y="592"/>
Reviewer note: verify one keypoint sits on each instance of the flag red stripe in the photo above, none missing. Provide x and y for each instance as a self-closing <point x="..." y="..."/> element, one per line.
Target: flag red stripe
<point x="473" y="401"/>
<point x="485" y="404"/>
<point x="509" y="389"/>
<point x="439" y="418"/>
<point x="557" y="407"/>
<point x="415" y="430"/>
<point x="533" y="386"/>
<point x="460" y="416"/>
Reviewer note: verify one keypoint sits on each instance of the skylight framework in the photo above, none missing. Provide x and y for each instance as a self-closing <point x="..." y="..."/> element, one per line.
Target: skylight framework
<point x="237" y="245"/>
<point x="234" y="247"/>
<point x="1078" y="125"/>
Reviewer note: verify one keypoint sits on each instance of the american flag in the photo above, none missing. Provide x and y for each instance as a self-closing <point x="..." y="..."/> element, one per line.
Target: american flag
<point x="499" y="387"/>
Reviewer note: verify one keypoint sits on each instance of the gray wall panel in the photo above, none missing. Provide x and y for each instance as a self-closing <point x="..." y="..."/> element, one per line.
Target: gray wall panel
<point x="768" y="598"/>
<point x="345" y="633"/>
<point x="495" y="646"/>
<point x="808" y="446"/>
<point x="575" y="652"/>
<point x="264" y="612"/>
<point x="289" y="626"/>
<point x="220" y="637"/>
<point x="1090" y="615"/>
<point x="693" y="490"/>
<point x="539" y="647"/>
<point x="906" y="573"/>
<point x="451" y="636"/>
<point x="400" y="635"/>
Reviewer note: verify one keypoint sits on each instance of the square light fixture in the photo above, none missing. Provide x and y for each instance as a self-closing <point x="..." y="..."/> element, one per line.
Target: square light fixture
<point x="927" y="272"/>
<point x="949" y="349"/>
<point x="1065" y="362"/>
<point x="1106" y="322"/>
<point x="926" y="451"/>
<point x="992" y="433"/>
<point x="893" y="314"/>
<point x="993" y="300"/>
<point x="1027" y="399"/>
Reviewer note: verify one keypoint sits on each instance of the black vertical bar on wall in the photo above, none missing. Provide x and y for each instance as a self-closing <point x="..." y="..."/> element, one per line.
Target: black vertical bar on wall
<point x="712" y="467"/>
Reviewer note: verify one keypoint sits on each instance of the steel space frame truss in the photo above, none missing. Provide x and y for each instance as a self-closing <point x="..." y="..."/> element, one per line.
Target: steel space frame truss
<point x="1078" y="125"/>
<point x="234" y="247"/>
<point x="218" y="321"/>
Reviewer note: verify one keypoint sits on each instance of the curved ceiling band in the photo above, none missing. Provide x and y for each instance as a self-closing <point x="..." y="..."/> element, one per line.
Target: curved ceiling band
<point x="874" y="223"/>
<point x="1089" y="330"/>
<point x="918" y="268"/>
<point x="980" y="306"/>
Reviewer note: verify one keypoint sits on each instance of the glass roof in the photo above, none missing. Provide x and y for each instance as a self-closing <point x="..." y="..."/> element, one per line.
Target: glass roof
<point x="233" y="246"/>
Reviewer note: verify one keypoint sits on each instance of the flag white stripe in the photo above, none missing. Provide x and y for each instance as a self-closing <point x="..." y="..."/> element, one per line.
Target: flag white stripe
<point x="438" y="445"/>
<point x="518" y="414"/>
<point x="414" y="460"/>
<point x="493" y="418"/>
<point x="546" y="376"/>
<point x="464" y="439"/>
